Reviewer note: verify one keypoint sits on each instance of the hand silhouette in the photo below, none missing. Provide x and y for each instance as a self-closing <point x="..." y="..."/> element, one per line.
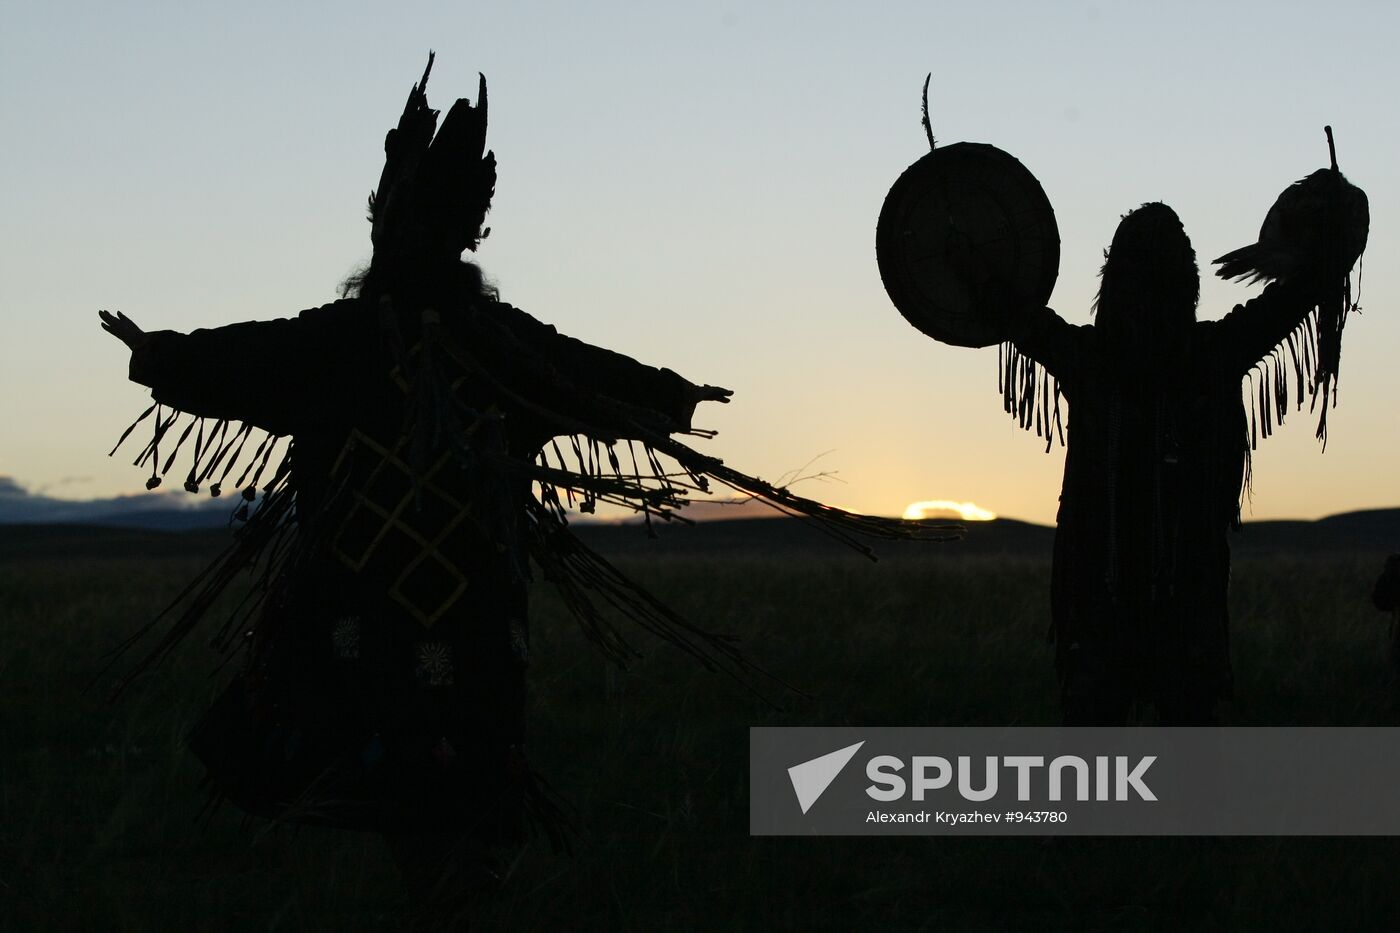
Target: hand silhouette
<point x="124" y="329"/>
<point x="709" y="393"/>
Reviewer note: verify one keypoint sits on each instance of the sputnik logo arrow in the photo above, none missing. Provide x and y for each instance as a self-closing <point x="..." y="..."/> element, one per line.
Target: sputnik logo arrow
<point x="811" y="778"/>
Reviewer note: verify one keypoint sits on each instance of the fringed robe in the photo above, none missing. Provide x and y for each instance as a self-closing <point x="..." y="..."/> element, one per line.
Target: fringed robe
<point x="1158" y="452"/>
<point x="385" y="687"/>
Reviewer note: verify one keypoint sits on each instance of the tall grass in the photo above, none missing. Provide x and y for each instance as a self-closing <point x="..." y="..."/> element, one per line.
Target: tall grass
<point x="98" y="802"/>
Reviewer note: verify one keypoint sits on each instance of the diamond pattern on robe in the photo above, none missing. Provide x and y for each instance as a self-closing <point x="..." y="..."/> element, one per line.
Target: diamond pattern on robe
<point x="418" y="536"/>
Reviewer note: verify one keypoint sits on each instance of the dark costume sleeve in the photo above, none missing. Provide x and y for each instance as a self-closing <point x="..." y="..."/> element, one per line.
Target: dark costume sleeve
<point x="1050" y="340"/>
<point x="1252" y="330"/>
<point x="604" y="371"/>
<point x="266" y="373"/>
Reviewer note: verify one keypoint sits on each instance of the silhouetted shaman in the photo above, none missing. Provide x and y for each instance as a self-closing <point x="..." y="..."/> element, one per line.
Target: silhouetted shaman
<point x="1159" y="438"/>
<point x="423" y="472"/>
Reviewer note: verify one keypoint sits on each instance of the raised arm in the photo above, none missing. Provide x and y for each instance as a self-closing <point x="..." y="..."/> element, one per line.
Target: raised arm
<point x="1253" y="329"/>
<point x="1037" y="332"/>
<point x="1049" y="339"/>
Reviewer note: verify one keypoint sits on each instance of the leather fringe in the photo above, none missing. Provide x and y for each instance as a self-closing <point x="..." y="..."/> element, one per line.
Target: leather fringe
<point x="1312" y="356"/>
<point x="216" y="445"/>
<point x="1030" y="394"/>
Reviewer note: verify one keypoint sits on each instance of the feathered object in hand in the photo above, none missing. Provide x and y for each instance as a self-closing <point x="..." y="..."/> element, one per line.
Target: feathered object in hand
<point x="1323" y="216"/>
<point x="1318" y="226"/>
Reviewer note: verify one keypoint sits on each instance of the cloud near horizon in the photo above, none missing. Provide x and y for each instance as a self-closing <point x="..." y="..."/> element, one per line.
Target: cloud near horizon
<point x="20" y="504"/>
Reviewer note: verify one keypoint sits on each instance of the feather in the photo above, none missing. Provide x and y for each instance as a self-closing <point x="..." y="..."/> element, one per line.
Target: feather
<point x="1319" y="215"/>
<point x="437" y="183"/>
<point x="404" y="147"/>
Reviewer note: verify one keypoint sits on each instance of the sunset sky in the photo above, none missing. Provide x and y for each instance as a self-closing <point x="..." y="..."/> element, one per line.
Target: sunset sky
<point x="693" y="184"/>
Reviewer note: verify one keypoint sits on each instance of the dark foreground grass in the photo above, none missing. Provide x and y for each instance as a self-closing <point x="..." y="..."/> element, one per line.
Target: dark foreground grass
<point x="98" y="802"/>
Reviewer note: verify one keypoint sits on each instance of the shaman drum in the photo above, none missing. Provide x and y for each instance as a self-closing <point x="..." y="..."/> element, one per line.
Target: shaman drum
<point x="963" y="214"/>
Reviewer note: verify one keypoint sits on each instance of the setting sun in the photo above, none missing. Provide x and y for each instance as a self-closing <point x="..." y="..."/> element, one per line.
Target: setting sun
<point x="946" y="508"/>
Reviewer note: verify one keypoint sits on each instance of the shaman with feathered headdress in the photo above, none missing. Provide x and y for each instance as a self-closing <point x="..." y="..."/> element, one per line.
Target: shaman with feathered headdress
<point x="431" y="439"/>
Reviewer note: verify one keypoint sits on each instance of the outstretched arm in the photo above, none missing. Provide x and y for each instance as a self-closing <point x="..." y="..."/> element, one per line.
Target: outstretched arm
<point x="609" y="373"/>
<point x="261" y="372"/>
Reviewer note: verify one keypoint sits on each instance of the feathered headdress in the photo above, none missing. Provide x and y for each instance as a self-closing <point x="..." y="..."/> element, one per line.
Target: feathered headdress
<point x="435" y="190"/>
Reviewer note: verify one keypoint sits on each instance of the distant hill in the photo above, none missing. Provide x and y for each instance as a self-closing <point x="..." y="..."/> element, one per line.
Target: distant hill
<point x="206" y="518"/>
<point x="1368" y="532"/>
<point x="166" y="509"/>
<point x="766" y="536"/>
<point x="1376" y="530"/>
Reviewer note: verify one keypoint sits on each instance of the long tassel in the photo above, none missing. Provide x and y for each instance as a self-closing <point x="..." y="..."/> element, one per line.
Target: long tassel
<point x="184" y="435"/>
<point x="1312" y="351"/>
<point x="212" y="447"/>
<point x="132" y="427"/>
<point x="218" y="441"/>
<point x="270" y="539"/>
<point x="240" y="438"/>
<point x="1030" y="394"/>
<point x="582" y="577"/>
<point x="191" y="485"/>
<point x="151" y="452"/>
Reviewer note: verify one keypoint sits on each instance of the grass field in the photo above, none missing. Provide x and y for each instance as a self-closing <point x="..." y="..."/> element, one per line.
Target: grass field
<point x="98" y="801"/>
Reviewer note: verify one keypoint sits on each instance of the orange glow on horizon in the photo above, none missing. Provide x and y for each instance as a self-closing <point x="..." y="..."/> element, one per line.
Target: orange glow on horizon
<point x="941" y="508"/>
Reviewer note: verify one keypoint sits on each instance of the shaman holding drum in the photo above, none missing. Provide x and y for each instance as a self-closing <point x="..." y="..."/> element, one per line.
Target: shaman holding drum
<point x="1158" y="436"/>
